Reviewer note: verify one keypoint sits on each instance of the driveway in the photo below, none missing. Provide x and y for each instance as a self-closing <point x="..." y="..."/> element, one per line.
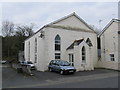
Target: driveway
<point x="12" y="79"/>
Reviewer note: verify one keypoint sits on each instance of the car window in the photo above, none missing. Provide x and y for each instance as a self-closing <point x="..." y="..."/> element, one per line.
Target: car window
<point x="52" y="62"/>
<point x="29" y="62"/>
<point x="64" y="63"/>
<point x="57" y="62"/>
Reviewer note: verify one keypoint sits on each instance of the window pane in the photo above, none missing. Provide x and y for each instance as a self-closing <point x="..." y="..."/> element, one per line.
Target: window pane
<point x="57" y="43"/>
<point x="57" y="47"/>
<point x="83" y="54"/>
<point x="57" y="37"/>
<point x="57" y="55"/>
<point x="71" y="59"/>
<point x="112" y="57"/>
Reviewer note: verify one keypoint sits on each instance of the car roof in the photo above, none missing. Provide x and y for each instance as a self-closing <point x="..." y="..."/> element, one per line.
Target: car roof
<point x="57" y="60"/>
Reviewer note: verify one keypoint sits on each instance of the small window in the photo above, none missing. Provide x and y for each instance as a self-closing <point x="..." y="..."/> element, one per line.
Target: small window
<point x="112" y="58"/>
<point x="71" y="59"/>
<point x="83" y="55"/>
<point x="29" y="51"/>
<point x="88" y="41"/>
<point x="35" y="45"/>
<point x="57" y="56"/>
<point x="35" y="58"/>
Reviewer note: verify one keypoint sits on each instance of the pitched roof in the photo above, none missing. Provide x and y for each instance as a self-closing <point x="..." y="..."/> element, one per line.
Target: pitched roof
<point x="76" y="42"/>
<point x="70" y="15"/>
<point x="73" y="14"/>
<point x="113" y="20"/>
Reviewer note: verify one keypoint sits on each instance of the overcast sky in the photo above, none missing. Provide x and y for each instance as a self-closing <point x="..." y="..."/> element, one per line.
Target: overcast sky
<point x="41" y="13"/>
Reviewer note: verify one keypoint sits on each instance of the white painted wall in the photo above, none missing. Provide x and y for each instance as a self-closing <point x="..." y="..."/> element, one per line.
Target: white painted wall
<point x="72" y="22"/>
<point x="67" y="38"/>
<point x="109" y="42"/>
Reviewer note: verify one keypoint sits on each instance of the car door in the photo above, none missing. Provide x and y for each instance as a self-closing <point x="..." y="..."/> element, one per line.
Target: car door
<point x="57" y="66"/>
<point x="53" y="65"/>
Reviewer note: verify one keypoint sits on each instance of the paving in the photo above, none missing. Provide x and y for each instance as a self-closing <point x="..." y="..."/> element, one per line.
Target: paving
<point x="12" y="79"/>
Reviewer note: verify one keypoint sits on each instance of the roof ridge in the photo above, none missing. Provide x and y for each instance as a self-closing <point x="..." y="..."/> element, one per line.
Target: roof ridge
<point x="108" y="24"/>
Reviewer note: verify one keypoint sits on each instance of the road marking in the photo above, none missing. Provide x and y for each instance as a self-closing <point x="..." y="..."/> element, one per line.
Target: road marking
<point x="69" y="79"/>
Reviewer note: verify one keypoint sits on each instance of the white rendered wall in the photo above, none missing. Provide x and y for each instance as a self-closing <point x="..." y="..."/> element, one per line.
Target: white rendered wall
<point x="67" y="38"/>
<point x="109" y="42"/>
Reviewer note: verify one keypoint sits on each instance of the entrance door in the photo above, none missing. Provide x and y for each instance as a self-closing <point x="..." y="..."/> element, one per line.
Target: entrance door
<point x="71" y="59"/>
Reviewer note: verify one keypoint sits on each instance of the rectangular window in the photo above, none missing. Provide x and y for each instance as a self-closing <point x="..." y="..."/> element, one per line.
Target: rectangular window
<point x="35" y="58"/>
<point x="57" y="47"/>
<point x="112" y="58"/>
<point x="71" y="59"/>
<point x="83" y="58"/>
<point x="57" y="56"/>
<point x="28" y="50"/>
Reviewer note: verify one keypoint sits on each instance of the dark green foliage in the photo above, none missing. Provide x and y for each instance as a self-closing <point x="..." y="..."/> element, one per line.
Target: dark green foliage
<point x="11" y="46"/>
<point x="12" y="43"/>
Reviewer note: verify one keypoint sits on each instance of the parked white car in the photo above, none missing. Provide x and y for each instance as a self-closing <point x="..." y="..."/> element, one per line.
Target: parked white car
<point x="28" y="63"/>
<point x="3" y="61"/>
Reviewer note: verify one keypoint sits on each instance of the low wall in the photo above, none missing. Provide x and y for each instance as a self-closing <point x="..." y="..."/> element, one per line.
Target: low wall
<point x="25" y="68"/>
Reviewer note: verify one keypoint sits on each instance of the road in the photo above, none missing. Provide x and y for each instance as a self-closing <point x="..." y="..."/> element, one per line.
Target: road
<point x="99" y="78"/>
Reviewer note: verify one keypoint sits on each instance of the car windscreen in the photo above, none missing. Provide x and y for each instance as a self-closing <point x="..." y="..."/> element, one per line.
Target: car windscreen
<point x="64" y="63"/>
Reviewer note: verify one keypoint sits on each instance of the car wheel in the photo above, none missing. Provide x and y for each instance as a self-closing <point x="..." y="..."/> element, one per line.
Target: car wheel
<point x="61" y="72"/>
<point x="50" y="69"/>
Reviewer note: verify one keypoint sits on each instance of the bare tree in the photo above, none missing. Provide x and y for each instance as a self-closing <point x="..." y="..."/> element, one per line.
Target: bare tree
<point x="24" y="30"/>
<point x="20" y="31"/>
<point x="7" y="28"/>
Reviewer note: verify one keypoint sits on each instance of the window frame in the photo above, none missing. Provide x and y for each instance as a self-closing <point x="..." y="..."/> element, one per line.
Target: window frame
<point x="71" y="59"/>
<point x="57" y="56"/>
<point x="35" y="45"/>
<point x="29" y="50"/>
<point x="83" y="54"/>
<point x="112" y="57"/>
<point x="57" y="43"/>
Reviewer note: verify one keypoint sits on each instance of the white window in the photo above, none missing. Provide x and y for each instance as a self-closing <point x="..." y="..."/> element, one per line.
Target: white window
<point x="35" y="51"/>
<point x="35" y="59"/>
<point x="57" y="47"/>
<point x="71" y="59"/>
<point x="112" y="58"/>
<point x="57" y="56"/>
<point x="28" y="50"/>
<point x="35" y="45"/>
<point x="57" y="43"/>
<point x="83" y="55"/>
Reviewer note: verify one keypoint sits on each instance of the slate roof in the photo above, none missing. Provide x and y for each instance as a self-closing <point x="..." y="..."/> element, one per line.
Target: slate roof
<point x="76" y="42"/>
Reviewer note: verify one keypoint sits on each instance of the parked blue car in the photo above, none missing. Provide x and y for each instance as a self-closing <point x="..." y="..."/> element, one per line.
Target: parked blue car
<point x="63" y="67"/>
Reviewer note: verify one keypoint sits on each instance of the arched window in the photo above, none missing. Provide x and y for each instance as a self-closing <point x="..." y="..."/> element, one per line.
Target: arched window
<point x="29" y="50"/>
<point x="83" y="54"/>
<point x="35" y="50"/>
<point x="57" y="47"/>
<point x="88" y="41"/>
<point x="35" y="45"/>
<point x="57" y="43"/>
